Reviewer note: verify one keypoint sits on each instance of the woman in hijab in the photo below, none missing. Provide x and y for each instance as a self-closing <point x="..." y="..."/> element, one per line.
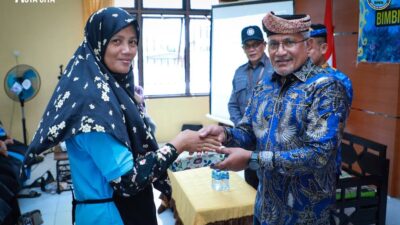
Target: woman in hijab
<point x="111" y="147"/>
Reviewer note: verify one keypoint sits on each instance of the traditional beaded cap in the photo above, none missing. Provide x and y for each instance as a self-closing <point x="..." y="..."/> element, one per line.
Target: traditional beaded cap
<point x="285" y="24"/>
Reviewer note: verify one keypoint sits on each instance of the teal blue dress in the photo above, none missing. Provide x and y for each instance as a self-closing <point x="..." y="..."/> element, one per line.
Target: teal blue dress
<point x="93" y="166"/>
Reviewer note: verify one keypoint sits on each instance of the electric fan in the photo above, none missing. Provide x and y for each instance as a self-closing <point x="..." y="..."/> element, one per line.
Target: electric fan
<point x="22" y="83"/>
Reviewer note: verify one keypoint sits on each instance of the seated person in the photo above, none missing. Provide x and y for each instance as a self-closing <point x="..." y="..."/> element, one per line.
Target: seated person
<point x="12" y="154"/>
<point x="4" y="141"/>
<point x="11" y="146"/>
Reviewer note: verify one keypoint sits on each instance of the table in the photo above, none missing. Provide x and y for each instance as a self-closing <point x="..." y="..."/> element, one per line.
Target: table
<point x="197" y="204"/>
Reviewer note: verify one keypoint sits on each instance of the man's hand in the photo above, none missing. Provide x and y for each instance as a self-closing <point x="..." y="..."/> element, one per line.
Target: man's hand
<point x="213" y="130"/>
<point x="191" y="141"/>
<point x="3" y="149"/>
<point x="3" y="146"/>
<point x="238" y="159"/>
<point x="9" y="141"/>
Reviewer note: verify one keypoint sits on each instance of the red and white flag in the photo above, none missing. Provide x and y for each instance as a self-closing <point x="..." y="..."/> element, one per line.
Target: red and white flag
<point x="330" y="55"/>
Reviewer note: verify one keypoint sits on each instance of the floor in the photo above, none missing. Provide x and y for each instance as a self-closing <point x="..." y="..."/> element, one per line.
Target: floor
<point x="56" y="208"/>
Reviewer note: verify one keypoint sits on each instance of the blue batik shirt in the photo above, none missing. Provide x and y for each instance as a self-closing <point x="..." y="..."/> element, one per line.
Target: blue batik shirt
<point x="349" y="91"/>
<point x="342" y="77"/>
<point x="296" y="123"/>
<point x="242" y="88"/>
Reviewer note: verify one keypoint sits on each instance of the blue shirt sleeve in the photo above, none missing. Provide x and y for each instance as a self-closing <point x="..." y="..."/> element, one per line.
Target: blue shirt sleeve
<point x="234" y="100"/>
<point x="112" y="158"/>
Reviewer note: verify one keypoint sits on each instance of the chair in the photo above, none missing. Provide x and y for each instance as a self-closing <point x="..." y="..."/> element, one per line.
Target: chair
<point x="365" y="161"/>
<point x="63" y="173"/>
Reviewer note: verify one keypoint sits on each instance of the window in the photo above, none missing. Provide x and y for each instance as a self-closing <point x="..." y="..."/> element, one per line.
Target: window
<point x="174" y="50"/>
<point x="199" y="55"/>
<point x="202" y="4"/>
<point x="162" y="4"/>
<point x="163" y="56"/>
<point x="124" y="3"/>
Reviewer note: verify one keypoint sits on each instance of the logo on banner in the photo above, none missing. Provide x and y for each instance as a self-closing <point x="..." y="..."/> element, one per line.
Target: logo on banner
<point x="379" y="4"/>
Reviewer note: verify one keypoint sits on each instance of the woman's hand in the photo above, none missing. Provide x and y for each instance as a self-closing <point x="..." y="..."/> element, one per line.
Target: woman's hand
<point x="191" y="141"/>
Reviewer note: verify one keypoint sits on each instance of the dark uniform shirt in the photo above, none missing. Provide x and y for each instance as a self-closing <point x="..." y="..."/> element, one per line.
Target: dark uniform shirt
<point x="242" y="88"/>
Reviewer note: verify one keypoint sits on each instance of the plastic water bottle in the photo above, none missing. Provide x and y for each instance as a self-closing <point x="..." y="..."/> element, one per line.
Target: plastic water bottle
<point x="216" y="180"/>
<point x="225" y="181"/>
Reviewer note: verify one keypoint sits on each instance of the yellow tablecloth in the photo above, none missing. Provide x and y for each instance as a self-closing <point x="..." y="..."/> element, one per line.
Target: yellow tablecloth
<point x="198" y="204"/>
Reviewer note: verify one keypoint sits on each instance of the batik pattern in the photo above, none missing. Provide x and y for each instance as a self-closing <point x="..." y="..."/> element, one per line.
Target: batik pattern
<point x="147" y="169"/>
<point x="296" y="124"/>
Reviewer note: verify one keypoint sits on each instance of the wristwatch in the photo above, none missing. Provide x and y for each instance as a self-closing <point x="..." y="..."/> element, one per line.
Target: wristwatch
<point x="254" y="162"/>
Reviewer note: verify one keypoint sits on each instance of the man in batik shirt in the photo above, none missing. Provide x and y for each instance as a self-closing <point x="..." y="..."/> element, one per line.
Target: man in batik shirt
<point x="319" y="47"/>
<point x="295" y="119"/>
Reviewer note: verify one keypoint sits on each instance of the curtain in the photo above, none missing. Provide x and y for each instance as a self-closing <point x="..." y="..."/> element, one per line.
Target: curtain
<point x="91" y="6"/>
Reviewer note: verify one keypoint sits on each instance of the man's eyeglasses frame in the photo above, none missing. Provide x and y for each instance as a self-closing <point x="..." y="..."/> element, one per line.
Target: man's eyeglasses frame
<point x="286" y="44"/>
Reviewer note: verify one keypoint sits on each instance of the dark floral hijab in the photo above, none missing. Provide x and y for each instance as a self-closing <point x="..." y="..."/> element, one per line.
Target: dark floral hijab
<point x="90" y="98"/>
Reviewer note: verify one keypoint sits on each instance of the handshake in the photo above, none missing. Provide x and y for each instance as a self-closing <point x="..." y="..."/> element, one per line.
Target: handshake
<point x="206" y="139"/>
<point x="210" y="138"/>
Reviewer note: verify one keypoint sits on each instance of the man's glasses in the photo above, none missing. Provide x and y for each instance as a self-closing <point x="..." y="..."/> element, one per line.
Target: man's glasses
<point x="286" y="44"/>
<point x="253" y="45"/>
